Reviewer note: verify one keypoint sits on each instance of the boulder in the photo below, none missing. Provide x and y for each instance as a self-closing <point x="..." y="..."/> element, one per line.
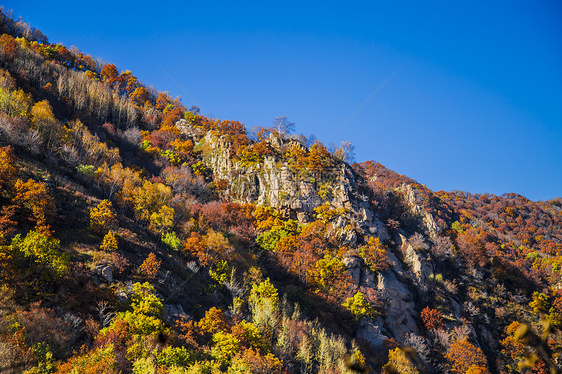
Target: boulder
<point x="105" y="272"/>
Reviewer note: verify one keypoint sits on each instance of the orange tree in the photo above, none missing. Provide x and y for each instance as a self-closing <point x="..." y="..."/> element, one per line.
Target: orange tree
<point x="464" y="356"/>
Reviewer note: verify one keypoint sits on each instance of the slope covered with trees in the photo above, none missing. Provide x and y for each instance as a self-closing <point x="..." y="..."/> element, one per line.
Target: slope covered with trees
<point x="137" y="235"/>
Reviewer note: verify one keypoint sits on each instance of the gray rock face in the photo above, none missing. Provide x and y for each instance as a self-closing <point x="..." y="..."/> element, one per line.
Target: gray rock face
<point x="371" y="333"/>
<point x="428" y="220"/>
<point x="173" y="313"/>
<point x="360" y="274"/>
<point x="353" y="267"/>
<point x="400" y="314"/>
<point x="419" y="263"/>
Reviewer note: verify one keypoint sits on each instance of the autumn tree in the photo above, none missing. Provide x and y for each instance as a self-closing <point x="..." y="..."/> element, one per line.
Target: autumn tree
<point x="163" y="100"/>
<point x="162" y="220"/>
<point x="398" y="362"/>
<point x="8" y="168"/>
<point x="359" y="306"/>
<point x="140" y="95"/>
<point x="149" y="198"/>
<point x="43" y="120"/>
<point x="102" y="218"/>
<point x="431" y="318"/>
<point x="264" y="303"/>
<point x="251" y="361"/>
<point x="214" y="247"/>
<point x="464" y="356"/>
<point x="319" y="159"/>
<point x="9" y="47"/>
<point x="109" y="73"/>
<point x="99" y="360"/>
<point x="35" y="197"/>
<point x="15" y="103"/>
<point x="374" y="254"/>
<point x="150" y="267"/>
<point x="141" y="321"/>
<point x="513" y="348"/>
<point x="214" y="321"/>
<point x="43" y="250"/>
<point x="330" y="275"/>
<point x="110" y="242"/>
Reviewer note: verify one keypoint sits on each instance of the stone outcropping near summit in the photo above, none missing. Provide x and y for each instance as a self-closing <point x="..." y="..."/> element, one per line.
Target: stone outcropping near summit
<point x="295" y="194"/>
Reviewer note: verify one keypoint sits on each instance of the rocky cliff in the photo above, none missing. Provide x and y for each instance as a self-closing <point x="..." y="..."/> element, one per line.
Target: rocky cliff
<point x="296" y="195"/>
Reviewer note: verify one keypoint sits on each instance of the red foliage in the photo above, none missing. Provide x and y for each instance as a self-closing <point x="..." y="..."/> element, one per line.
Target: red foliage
<point x="431" y="318"/>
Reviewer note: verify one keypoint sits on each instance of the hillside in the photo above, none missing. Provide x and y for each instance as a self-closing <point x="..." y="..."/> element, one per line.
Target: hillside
<point x="139" y="236"/>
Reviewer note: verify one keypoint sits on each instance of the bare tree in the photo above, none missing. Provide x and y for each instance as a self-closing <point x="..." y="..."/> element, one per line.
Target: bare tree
<point x="105" y="314"/>
<point x="282" y="126"/>
<point x="345" y="152"/>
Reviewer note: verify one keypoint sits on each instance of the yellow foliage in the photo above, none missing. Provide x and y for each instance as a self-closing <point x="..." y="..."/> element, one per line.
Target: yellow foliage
<point x="110" y="242"/>
<point x="35" y="196"/>
<point x="102" y="218"/>
<point x="14" y="103"/>
<point x="266" y="218"/>
<point x="162" y="220"/>
<point x="214" y="321"/>
<point x="149" y="198"/>
<point x="359" y="306"/>
<point x="399" y="363"/>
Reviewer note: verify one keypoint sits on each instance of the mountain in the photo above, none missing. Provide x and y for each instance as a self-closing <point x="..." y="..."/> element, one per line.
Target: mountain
<point x="140" y="236"/>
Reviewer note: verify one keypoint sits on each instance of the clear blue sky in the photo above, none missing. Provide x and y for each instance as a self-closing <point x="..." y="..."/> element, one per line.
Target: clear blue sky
<point x="476" y="104"/>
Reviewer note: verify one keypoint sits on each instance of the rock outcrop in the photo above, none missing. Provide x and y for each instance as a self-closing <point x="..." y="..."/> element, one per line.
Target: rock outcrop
<point x="400" y="307"/>
<point x="427" y="219"/>
<point x="417" y="260"/>
<point x="295" y="194"/>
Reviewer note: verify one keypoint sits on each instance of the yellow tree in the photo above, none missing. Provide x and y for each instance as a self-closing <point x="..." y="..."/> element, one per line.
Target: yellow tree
<point x="329" y="275"/>
<point x="214" y="321"/>
<point x="102" y="218"/>
<point x="149" y="198"/>
<point x="359" y="306"/>
<point x="139" y="96"/>
<point x="399" y="363"/>
<point x="162" y="220"/>
<point x="35" y="197"/>
<point x="43" y="120"/>
<point x="110" y="242"/>
<point x="214" y="248"/>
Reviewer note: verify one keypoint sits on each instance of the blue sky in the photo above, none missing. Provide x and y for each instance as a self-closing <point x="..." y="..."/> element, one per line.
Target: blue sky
<point x="476" y="104"/>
